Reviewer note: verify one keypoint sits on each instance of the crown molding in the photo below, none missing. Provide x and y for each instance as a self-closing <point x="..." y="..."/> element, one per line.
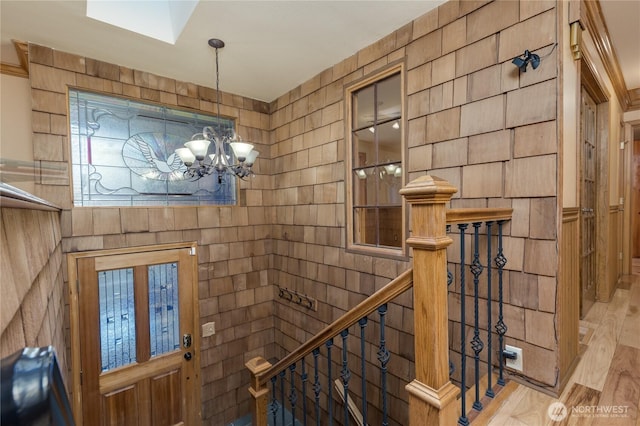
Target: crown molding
<point x="595" y="24"/>
<point x="22" y="70"/>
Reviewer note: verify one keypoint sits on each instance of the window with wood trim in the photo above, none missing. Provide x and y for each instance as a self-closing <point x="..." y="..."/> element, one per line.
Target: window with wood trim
<point x="375" y="159"/>
<point x="123" y="153"/>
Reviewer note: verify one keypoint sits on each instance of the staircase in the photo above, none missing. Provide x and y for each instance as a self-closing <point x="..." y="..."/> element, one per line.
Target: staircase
<point x="303" y="381"/>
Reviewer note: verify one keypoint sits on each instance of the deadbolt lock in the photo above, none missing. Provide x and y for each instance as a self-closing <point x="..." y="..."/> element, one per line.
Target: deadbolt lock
<point x="186" y="341"/>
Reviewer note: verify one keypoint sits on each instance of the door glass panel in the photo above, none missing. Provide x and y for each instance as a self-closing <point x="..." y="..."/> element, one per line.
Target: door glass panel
<point x="164" y="315"/>
<point x="117" y="318"/>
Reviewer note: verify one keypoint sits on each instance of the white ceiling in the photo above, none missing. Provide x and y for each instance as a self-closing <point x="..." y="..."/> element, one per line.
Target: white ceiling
<point x="623" y="23"/>
<point x="271" y="46"/>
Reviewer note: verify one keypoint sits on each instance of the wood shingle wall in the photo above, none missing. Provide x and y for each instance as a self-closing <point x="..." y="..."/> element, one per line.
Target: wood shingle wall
<point x="472" y="120"/>
<point x="234" y="243"/>
<point x="32" y="311"/>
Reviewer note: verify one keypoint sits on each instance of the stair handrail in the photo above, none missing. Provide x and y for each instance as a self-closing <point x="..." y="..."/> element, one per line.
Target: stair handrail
<point x="386" y="294"/>
<point x="482" y="214"/>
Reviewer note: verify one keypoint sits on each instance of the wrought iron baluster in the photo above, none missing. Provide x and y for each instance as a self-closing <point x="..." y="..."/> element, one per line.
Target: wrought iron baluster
<point x="501" y="327"/>
<point x="452" y="368"/>
<point x="476" y="342"/>
<point x="293" y="396"/>
<point x="489" y="391"/>
<point x="304" y="378"/>
<point x="273" y="406"/>
<point x="383" y="357"/>
<point x="316" y="384"/>
<point x="329" y="345"/>
<point x="282" y="374"/>
<point x="463" y="420"/>
<point x="363" y="369"/>
<point x="345" y="374"/>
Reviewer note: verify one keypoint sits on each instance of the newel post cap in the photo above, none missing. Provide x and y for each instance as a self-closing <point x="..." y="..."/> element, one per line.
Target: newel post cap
<point x="428" y="189"/>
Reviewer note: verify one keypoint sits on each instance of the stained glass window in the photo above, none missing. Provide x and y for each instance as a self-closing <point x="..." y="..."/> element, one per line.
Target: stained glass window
<point x="164" y="315"/>
<point x="117" y="318"/>
<point x="122" y="153"/>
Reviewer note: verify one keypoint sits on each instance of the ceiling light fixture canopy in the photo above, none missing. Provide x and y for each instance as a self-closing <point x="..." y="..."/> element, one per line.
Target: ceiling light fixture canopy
<point x="194" y="154"/>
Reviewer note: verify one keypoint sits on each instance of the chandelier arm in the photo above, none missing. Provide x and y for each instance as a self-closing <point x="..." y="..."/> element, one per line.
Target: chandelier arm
<point x="210" y="133"/>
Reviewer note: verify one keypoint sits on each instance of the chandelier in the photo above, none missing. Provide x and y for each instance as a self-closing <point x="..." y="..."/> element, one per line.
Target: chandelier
<point x="194" y="154"/>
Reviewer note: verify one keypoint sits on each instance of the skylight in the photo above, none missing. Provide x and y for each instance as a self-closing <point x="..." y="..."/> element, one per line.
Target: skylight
<point x="163" y="20"/>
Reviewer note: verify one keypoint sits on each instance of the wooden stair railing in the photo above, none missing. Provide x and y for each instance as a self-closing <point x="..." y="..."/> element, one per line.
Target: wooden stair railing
<point x="262" y="370"/>
<point x="432" y="396"/>
<point x="479" y="266"/>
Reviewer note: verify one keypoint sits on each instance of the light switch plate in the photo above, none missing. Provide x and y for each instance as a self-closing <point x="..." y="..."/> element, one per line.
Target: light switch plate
<point x="208" y="329"/>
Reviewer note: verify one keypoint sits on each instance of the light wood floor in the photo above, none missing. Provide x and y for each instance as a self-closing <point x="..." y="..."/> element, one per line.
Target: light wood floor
<point x="605" y="388"/>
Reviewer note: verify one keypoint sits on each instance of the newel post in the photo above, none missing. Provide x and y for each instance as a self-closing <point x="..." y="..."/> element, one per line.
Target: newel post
<point x="431" y="395"/>
<point x="259" y="393"/>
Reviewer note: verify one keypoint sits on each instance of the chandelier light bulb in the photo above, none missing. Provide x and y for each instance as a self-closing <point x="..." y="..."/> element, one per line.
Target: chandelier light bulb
<point x="198" y="147"/>
<point x="186" y="156"/>
<point x="251" y="158"/>
<point x="241" y="150"/>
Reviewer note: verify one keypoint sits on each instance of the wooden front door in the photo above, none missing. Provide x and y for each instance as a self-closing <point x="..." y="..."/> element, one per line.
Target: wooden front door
<point x="588" y="169"/>
<point x="136" y="341"/>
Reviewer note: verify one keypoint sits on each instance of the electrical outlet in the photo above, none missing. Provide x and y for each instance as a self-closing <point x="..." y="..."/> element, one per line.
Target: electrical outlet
<point x="514" y="364"/>
<point x="208" y="329"/>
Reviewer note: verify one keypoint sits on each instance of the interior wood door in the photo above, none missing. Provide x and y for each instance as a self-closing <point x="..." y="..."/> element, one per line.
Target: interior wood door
<point x="588" y="169"/>
<point x="137" y="315"/>
<point x="635" y="199"/>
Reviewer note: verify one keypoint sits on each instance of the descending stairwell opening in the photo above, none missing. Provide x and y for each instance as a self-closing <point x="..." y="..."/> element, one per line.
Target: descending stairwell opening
<point x="349" y="360"/>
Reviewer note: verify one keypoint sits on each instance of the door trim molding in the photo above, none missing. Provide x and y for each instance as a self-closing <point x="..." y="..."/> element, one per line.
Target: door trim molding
<point x="592" y="81"/>
<point x="74" y="314"/>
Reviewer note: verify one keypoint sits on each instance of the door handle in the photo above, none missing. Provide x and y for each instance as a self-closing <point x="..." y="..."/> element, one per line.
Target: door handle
<point x="188" y="356"/>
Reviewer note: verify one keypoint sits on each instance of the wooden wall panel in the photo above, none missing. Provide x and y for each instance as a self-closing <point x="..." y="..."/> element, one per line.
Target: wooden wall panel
<point x="614" y="266"/>
<point x="568" y="299"/>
